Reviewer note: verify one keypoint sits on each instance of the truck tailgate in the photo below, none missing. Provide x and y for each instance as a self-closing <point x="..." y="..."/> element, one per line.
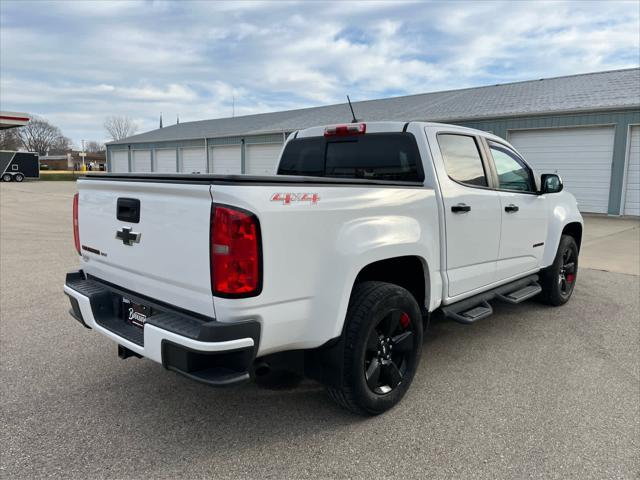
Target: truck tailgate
<point x="170" y="260"/>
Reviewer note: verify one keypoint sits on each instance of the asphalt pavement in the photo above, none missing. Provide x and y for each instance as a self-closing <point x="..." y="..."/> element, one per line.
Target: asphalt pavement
<point x="531" y="392"/>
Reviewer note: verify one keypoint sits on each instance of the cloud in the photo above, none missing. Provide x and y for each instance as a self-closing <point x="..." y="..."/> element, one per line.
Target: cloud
<point x="77" y="62"/>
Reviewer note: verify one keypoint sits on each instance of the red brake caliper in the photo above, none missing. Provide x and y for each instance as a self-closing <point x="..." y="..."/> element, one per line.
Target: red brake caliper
<point x="405" y="320"/>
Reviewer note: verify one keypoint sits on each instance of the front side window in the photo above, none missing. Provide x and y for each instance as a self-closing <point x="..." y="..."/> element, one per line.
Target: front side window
<point x="513" y="174"/>
<point x="462" y="159"/>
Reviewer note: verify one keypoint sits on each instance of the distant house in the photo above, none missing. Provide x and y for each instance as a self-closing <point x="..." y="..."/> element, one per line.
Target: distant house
<point x="73" y="161"/>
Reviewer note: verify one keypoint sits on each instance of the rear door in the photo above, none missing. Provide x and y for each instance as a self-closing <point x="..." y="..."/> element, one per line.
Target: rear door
<point x="524" y="213"/>
<point x="472" y="214"/>
<point x="170" y="259"/>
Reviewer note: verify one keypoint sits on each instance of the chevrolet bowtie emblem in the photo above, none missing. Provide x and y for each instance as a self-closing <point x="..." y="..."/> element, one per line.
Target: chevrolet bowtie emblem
<point x="127" y="236"/>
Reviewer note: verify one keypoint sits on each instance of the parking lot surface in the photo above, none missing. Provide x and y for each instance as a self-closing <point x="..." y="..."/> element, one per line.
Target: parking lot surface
<point x="531" y="392"/>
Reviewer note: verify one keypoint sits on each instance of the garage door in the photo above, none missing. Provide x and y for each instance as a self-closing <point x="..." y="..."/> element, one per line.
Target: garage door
<point x="581" y="156"/>
<point x="632" y="187"/>
<point x="261" y="159"/>
<point x="141" y="161"/>
<point x="227" y="160"/>
<point x="194" y="160"/>
<point x="165" y="160"/>
<point x="120" y="161"/>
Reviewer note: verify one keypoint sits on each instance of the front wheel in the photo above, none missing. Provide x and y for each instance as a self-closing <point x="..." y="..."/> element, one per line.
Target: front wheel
<point x="7" y="177"/>
<point x="559" y="279"/>
<point x="383" y="341"/>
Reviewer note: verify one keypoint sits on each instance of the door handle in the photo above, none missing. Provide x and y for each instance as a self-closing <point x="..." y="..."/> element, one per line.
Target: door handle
<point x="461" y="208"/>
<point x="511" y="208"/>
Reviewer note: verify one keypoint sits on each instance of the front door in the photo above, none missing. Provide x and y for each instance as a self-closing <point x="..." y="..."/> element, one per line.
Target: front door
<point x="472" y="214"/>
<point x="524" y="214"/>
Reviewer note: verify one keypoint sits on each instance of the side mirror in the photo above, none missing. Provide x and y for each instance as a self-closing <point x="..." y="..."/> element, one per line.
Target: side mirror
<point x="550" y="183"/>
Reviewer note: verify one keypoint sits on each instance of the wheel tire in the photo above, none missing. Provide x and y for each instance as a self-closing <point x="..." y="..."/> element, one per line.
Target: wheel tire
<point x="376" y="306"/>
<point x="7" y="177"/>
<point x="18" y="177"/>
<point x="559" y="279"/>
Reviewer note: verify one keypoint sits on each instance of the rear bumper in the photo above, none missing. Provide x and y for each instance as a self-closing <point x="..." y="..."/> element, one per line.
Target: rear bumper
<point x="198" y="347"/>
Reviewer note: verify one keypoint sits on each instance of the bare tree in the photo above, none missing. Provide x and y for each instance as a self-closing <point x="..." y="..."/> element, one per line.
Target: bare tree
<point x="120" y="127"/>
<point x="40" y="136"/>
<point x="94" y="147"/>
<point x="62" y="145"/>
<point x="9" y="140"/>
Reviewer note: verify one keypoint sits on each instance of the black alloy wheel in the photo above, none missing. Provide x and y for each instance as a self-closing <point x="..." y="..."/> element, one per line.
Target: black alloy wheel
<point x="382" y="347"/>
<point x="388" y="353"/>
<point x="567" y="274"/>
<point x="558" y="280"/>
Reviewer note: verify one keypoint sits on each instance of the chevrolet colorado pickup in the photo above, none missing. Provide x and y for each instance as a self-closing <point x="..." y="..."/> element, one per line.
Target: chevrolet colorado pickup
<point x="331" y="267"/>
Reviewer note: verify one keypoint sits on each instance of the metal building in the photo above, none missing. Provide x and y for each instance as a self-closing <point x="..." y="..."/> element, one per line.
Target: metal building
<point x="584" y="127"/>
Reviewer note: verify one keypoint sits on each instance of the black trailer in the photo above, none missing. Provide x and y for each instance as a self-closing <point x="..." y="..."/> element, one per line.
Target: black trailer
<point x="16" y="166"/>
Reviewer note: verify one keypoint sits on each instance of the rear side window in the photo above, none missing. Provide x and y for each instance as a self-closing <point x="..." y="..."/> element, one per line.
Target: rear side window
<point x="375" y="156"/>
<point x="462" y="159"/>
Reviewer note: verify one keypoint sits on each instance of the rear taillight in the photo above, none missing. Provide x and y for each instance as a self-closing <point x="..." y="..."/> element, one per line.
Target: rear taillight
<point x="235" y="252"/>
<point x="76" y="230"/>
<point x="347" y="129"/>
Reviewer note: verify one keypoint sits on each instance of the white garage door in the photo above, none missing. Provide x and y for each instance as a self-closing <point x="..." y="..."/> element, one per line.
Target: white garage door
<point x="120" y="161"/>
<point x="193" y="160"/>
<point x="581" y="156"/>
<point x="165" y="160"/>
<point x="227" y="160"/>
<point x="261" y="159"/>
<point x="141" y="161"/>
<point x="632" y="187"/>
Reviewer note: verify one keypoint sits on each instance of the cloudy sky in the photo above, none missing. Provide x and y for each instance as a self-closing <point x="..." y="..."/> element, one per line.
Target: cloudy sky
<point x="75" y="63"/>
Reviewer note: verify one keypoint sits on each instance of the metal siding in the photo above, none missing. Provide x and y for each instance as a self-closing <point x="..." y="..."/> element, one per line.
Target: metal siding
<point x="224" y="141"/>
<point x="262" y="139"/>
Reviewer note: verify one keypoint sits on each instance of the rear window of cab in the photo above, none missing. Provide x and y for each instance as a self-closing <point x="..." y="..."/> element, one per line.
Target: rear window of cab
<point x="374" y="156"/>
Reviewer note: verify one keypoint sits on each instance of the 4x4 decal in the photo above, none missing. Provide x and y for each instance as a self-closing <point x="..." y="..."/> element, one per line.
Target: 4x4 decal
<point x="288" y="198"/>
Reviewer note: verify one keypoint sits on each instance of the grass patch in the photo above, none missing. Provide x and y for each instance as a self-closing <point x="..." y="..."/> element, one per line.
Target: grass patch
<point x="59" y="175"/>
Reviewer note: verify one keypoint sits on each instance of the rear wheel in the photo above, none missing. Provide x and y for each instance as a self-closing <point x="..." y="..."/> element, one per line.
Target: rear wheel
<point x="7" y="177"/>
<point x="19" y="177"/>
<point x="559" y="279"/>
<point x="383" y="340"/>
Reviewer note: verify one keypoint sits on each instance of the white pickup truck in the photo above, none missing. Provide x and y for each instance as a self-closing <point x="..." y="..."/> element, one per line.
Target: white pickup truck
<point x="330" y="268"/>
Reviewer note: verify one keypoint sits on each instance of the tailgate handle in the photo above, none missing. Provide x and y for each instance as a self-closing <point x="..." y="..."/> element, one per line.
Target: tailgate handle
<point x="128" y="210"/>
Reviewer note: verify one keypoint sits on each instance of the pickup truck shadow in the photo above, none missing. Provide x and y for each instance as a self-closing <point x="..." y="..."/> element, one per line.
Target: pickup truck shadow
<point x="136" y="402"/>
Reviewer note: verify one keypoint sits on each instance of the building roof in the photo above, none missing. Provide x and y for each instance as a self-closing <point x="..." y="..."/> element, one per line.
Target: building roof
<point x="616" y="89"/>
<point x="13" y="119"/>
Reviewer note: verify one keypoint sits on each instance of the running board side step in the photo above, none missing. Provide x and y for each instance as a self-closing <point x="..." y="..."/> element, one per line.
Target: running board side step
<point x="472" y="315"/>
<point x="475" y="308"/>
<point x="521" y="295"/>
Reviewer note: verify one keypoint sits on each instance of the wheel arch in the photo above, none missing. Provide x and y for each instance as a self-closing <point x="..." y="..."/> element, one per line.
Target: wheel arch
<point x="410" y="272"/>
<point x="574" y="229"/>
